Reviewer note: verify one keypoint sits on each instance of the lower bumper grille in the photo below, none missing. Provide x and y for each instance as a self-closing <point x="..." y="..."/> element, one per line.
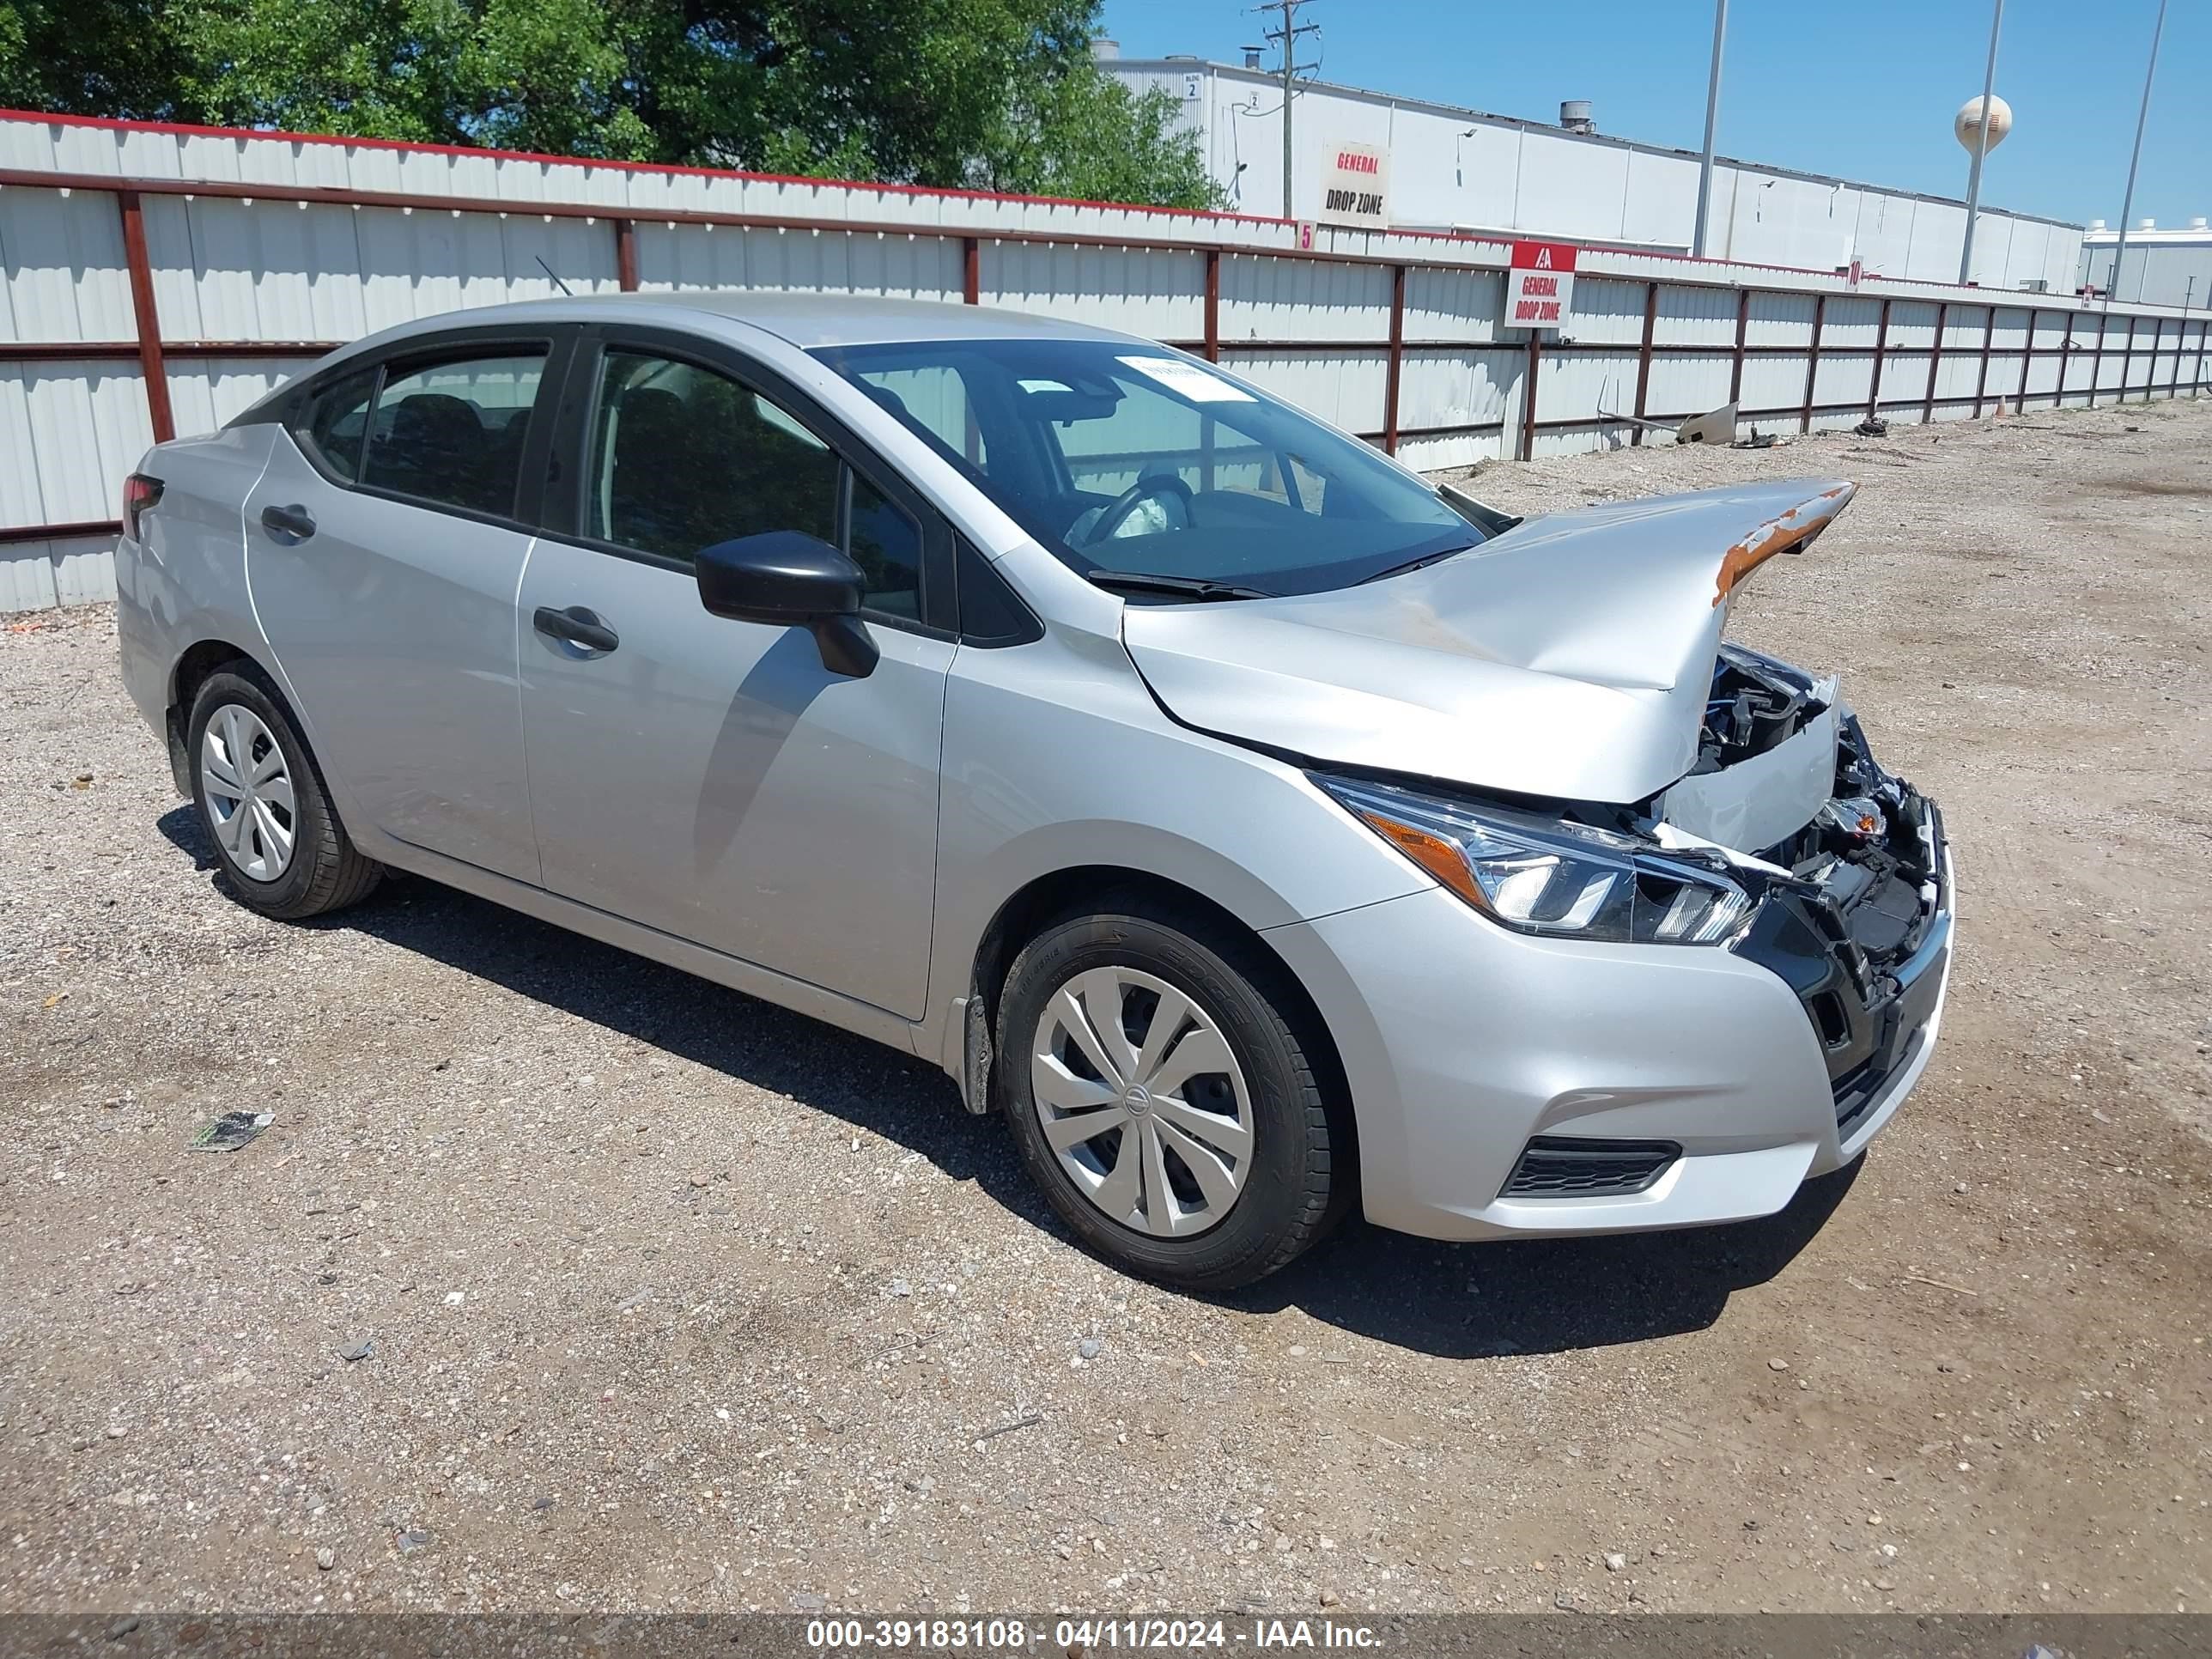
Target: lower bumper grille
<point x="1563" y="1166"/>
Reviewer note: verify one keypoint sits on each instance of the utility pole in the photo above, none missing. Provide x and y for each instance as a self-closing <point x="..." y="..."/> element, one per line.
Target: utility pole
<point x="1288" y="36"/>
<point x="1981" y="149"/>
<point x="2128" y="202"/>
<point x="1713" y="115"/>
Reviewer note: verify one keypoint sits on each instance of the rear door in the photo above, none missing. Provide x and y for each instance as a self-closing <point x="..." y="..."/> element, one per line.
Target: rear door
<point x="709" y="777"/>
<point x="384" y="544"/>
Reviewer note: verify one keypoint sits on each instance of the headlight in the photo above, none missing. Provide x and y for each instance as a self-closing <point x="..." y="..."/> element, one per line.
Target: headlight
<point x="1546" y="876"/>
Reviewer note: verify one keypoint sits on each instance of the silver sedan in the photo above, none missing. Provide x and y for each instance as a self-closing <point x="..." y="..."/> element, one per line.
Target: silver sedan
<point x="1262" y="832"/>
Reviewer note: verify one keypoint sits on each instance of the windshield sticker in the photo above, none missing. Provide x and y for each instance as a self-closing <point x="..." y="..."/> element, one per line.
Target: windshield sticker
<point x="1199" y="383"/>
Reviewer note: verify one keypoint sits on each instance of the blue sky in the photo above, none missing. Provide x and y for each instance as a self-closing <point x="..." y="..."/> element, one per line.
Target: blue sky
<point x="1864" y="91"/>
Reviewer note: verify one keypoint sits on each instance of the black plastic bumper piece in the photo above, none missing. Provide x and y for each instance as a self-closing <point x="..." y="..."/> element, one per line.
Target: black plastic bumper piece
<point x="1568" y="1166"/>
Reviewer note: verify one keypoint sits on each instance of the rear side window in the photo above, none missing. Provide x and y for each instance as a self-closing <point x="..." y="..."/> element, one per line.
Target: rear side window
<point x="336" y="425"/>
<point x="452" y="433"/>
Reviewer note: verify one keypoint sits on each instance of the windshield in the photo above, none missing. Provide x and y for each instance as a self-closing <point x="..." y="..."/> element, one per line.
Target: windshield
<point x="1130" y="459"/>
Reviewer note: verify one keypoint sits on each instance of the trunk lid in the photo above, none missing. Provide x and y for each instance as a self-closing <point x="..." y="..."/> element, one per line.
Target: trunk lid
<point x="1570" y="657"/>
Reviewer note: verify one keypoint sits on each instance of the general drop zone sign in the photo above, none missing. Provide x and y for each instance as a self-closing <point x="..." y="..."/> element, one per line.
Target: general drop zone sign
<point x="1355" y="185"/>
<point x="1540" y="285"/>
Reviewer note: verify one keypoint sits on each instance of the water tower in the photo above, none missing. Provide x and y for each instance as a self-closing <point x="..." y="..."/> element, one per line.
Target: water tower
<point x="1967" y="124"/>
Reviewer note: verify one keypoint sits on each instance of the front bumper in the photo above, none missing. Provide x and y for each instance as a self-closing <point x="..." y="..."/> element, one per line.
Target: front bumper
<point x="1462" y="1043"/>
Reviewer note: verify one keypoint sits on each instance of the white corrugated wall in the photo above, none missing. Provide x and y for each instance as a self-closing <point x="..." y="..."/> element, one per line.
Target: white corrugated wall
<point x="262" y="272"/>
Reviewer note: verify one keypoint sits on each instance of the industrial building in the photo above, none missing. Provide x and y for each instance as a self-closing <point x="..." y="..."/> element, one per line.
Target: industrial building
<point x="1435" y="167"/>
<point x="2158" y="267"/>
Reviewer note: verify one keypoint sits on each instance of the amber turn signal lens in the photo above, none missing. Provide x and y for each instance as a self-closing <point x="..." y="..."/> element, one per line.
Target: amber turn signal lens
<point x="1434" y="854"/>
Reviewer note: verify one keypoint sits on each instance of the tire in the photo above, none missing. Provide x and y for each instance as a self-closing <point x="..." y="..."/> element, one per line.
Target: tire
<point x="1293" y="1176"/>
<point x="319" y="871"/>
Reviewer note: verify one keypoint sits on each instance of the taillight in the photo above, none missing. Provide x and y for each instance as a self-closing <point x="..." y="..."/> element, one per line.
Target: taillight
<point x="139" y="493"/>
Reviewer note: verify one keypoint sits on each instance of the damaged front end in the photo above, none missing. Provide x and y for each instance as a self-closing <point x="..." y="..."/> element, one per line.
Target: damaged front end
<point x="1846" y="864"/>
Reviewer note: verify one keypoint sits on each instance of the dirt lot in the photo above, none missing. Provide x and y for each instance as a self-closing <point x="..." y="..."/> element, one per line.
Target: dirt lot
<point x="678" y="1301"/>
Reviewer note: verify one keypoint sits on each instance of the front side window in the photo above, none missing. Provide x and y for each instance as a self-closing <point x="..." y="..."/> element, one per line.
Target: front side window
<point x="1124" y="458"/>
<point x="682" y="457"/>
<point x="452" y="433"/>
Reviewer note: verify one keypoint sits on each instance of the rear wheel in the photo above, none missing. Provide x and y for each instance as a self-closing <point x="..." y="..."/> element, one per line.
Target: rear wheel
<point x="263" y="802"/>
<point x="1153" y="1067"/>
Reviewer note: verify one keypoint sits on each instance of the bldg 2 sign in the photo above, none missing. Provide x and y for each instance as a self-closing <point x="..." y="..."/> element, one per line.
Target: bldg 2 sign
<point x="1540" y="285"/>
<point x="1355" y="187"/>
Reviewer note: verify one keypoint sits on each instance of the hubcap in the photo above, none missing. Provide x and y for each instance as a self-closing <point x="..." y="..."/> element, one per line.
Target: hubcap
<point x="1142" y="1101"/>
<point x="249" y="793"/>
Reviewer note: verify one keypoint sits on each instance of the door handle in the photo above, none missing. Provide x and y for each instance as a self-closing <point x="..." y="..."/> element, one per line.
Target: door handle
<point x="575" y="626"/>
<point x="293" y="521"/>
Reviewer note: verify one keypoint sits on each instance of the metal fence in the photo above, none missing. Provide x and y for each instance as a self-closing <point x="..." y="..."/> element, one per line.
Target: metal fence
<point x="157" y="279"/>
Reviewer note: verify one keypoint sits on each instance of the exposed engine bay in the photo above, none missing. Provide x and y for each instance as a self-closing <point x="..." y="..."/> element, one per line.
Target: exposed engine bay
<point x="1871" y="851"/>
<point x="1853" y="911"/>
<point x="1755" y="703"/>
<point x="1863" y="838"/>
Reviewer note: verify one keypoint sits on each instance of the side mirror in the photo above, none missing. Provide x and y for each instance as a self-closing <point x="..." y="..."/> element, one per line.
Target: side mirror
<point x="788" y="579"/>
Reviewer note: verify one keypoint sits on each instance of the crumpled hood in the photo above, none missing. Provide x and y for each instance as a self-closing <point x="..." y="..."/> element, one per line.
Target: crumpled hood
<point x="1569" y="657"/>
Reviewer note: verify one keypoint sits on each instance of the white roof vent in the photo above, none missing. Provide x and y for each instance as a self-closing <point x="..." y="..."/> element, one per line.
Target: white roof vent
<point x="2197" y="223"/>
<point x="2146" y="224"/>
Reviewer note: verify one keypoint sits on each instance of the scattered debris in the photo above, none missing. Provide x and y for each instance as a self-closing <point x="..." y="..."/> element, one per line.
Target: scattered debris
<point x="1778" y="1364"/>
<point x="413" y="1539"/>
<point x="1616" y="1562"/>
<point x="326" y="1558"/>
<point x="1714" y="426"/>
<point x="57" y="1000"/>
<point x="1027" y="1420"/>
<point x="1762" y="441"/>
<point x="354" y="1352"/>
<point x="1872" y="427"/>
<point x="1091" y="1348"/>
<point x="1940" y="1284"/>
<point x="231" y="1131"/>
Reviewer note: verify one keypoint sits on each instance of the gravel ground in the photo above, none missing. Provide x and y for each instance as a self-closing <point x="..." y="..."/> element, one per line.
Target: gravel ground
<point x="669" y="1299"/>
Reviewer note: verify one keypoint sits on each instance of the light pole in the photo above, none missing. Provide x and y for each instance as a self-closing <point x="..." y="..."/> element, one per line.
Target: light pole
<point x="1713" y="115"/>
<point x="2128" y="202"/>
<point x="1982" y="125"/>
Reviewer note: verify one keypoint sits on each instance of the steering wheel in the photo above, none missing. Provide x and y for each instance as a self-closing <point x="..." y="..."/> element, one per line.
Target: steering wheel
<point x="1158" y="483"/>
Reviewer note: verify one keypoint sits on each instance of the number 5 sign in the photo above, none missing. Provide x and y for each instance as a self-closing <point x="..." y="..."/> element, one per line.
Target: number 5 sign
<point x="1540" y="285"/>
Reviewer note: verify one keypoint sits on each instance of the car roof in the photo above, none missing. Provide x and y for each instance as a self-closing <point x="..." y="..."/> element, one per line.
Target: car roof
<point x="803" y="320"/>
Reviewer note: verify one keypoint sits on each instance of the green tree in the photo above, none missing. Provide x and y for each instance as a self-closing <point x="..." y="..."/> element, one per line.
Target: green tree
<point x="88" y="58"/>
<point x="1000" y="94"/>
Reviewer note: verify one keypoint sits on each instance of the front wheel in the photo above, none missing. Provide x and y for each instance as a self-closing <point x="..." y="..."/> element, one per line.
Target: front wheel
<point x="1158" y="1075"/>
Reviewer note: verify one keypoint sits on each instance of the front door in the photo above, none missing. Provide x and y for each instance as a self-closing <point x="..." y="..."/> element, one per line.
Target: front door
<point x="384" y="550"/>
<point x="708" y="777"/>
